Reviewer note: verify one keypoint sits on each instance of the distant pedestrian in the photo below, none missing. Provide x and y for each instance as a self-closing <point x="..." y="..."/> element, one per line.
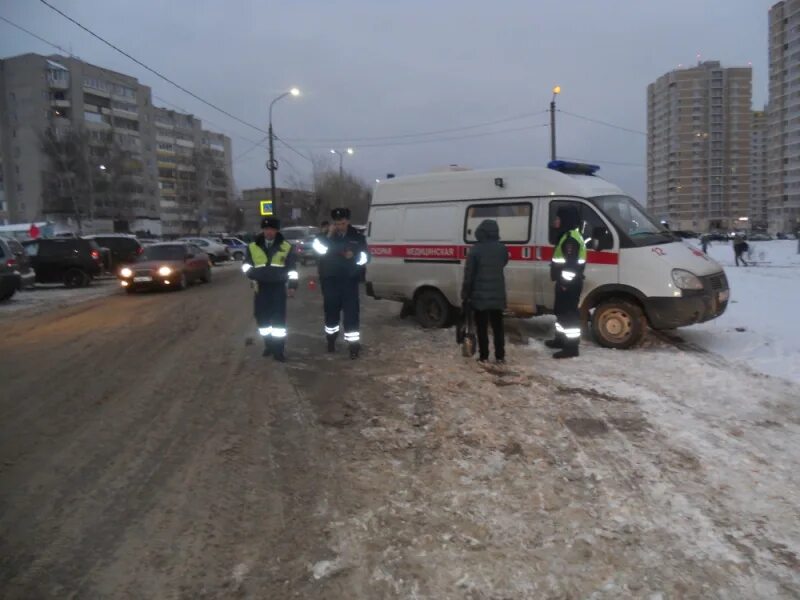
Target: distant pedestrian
<point x="484" y="288"/>
<point x="566" y="270"/>
<point x="740" y="248"/>
<point x="704" y="241"/>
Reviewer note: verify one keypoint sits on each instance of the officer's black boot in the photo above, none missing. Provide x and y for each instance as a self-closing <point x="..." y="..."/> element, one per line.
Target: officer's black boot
<point x="355" y="348"/>
<point x="278" y="352"/>
<point x="267" y="346"/>
<point x="570" y="350"/>
<point x="556" y="342"/>
<point x="331" y="342"/>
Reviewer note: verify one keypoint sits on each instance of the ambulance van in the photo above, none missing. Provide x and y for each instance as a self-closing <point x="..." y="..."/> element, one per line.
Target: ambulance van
<point x="637" y="274"/>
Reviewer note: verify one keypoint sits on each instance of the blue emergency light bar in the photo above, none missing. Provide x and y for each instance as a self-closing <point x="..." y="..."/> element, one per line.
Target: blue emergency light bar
<point x="572" y="168"/>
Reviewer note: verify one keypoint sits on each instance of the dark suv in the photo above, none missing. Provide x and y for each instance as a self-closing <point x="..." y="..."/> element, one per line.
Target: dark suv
<point x="71" y="261"/>
<point x="125" y="248"/>
<point x="15" y="268"/>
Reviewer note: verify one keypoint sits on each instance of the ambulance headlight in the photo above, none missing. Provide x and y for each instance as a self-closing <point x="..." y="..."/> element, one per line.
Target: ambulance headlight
<point x="685" y="280"/>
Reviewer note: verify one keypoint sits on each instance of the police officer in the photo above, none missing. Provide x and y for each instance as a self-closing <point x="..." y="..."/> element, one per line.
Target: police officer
<point x="270" y="263"/>
<point x="341" y="253"/>
<point x="566" y="270"/>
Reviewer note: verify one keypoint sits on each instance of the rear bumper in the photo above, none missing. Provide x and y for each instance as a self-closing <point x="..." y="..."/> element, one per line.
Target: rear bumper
<point x="694" y="306"/>
<point x="27" y="280"/>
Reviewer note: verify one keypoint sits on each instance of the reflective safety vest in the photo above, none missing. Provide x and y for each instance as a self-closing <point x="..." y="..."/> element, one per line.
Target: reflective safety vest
<point x="558" y="253"/>
<point x="261" y="259"/>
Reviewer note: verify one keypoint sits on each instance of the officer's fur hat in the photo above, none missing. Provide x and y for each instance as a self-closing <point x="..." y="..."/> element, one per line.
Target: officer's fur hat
<point x="340" y="213"/>
<point x="272" y="222"/>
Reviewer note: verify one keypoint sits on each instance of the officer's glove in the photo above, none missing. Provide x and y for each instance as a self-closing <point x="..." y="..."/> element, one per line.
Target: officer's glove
<point x="568" y="275"/>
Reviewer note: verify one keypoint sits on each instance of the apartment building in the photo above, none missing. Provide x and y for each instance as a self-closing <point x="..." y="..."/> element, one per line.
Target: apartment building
<point x="783" y="115"/>
<point x="49" y="97"/>
<point x="699" y="137"/>
<point x="139" y="167"/>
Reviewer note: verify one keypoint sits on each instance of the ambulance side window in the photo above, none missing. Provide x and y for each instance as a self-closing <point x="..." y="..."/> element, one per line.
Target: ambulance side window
<point x="513" y="220"/>
<point x="554" y="207"/>
<point x="594" y="228"/>
<point x="592" y="225"/>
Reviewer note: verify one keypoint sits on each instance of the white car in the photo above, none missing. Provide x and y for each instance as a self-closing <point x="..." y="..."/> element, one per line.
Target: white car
<point x="217" y="251"/>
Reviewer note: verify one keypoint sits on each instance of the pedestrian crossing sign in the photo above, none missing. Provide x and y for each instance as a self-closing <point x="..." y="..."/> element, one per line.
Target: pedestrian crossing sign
<point x="266" y="208"/>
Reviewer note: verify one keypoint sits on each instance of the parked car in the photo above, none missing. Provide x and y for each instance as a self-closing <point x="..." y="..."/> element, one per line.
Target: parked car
<point x="216" y="251"/>
<point x="172" y="265"/>
<point x="684" y="234"/>
<point x="302" y="238"/>
<point x="123" y="246"/>
<point x="759" y="237"/>
<point x="13" y="256"/>
<point x="71" y="261"/>
<point x="237" y="247"/>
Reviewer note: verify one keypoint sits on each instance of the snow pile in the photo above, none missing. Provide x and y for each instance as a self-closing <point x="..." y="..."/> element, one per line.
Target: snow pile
<point x="759" y="329"/>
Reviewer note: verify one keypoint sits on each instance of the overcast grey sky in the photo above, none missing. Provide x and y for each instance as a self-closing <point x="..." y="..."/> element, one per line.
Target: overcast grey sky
<point x="372" y="68"/>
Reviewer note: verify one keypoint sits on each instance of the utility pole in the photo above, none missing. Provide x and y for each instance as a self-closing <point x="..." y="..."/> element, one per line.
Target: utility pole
<point x="556" y="91"/>
<point x="272" y="164"/>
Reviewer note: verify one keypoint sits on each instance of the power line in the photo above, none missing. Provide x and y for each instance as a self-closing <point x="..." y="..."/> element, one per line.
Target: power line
<point x="452" y="138"/>
<point x="293" y="149"/>
<point x="30" y="33"/>
<point x="251" y="148"/>
<point x="153" y="71"/>
<point x="420" y="134"/>
<point x="606" y="123"/>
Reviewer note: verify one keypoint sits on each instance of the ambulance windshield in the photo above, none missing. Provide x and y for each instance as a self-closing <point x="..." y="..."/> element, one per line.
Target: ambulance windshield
<point x="632" y="221"/>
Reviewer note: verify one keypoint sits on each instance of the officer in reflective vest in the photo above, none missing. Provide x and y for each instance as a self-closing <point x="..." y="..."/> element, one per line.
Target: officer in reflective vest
<point x="341" y="255"/>
<point x="270" y="264"/>
<point x="566" y="270"/>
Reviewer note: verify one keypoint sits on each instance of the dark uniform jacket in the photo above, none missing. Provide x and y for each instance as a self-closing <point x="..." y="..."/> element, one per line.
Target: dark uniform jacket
<point x="334" y="263"/>
<point x="484" y="281"/>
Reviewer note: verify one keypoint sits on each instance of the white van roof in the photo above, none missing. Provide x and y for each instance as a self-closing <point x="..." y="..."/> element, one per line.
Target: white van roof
<point x="475" y="185"/>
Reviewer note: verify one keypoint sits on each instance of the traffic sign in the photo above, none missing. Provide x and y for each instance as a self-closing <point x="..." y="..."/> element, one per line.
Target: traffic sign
<point x="266" y="208"/>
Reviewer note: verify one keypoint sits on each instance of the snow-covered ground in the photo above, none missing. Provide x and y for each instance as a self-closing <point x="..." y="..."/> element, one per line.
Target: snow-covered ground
<point x="760" y="328"/>
<point x="51" y="297"/>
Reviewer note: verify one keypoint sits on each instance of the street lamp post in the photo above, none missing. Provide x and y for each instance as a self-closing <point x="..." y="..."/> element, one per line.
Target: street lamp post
<point x="556" y="92"/>
<point x="272" y="164"/>
<point x="349" y="151"/>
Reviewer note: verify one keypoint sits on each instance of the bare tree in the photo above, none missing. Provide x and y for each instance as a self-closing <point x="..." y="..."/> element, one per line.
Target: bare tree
<point x="348" y="191"/>
<point x="67" y="182"/>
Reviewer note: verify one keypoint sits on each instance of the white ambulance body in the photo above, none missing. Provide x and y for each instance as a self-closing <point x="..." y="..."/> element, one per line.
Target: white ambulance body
<point x="421" y="228"/>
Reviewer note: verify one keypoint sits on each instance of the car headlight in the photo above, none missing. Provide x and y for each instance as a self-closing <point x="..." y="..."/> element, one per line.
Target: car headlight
<point x="685" y="280"/>
<point x="125" y="272"/>
<point x="164" y="271"/>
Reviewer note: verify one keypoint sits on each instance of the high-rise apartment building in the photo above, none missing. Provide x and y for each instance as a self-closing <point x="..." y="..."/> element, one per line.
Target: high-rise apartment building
<point x="783" y="206"/>
<point x="698" y="146"/>
<point x="758" y="171"/>
<point x="132" y="166"/>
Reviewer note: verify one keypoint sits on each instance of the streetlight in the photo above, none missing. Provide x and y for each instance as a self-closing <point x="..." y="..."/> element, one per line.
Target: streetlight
<point x="556" y="92"/>
<point x="349" y="151"/>
<point x="272" y="164"/>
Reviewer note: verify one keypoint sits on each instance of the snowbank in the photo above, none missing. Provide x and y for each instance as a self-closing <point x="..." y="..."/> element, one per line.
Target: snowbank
<point x="760" y="328"/>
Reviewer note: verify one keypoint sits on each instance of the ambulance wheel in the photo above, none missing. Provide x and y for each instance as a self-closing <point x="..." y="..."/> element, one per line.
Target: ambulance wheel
<point x="618" y="323"/>
<point x="432" y="309"/>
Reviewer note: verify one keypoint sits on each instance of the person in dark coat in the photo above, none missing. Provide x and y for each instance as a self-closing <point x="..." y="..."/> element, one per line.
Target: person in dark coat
<point x="270" y="263"/>
<point x="341" y="255"/>
<point x="740" y="248"/>
<point x="566" y="270"/>
<point x="484" y="288"/>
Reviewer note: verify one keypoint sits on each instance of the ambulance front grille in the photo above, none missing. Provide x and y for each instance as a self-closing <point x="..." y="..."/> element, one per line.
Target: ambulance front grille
<point x="718" y="282"/>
